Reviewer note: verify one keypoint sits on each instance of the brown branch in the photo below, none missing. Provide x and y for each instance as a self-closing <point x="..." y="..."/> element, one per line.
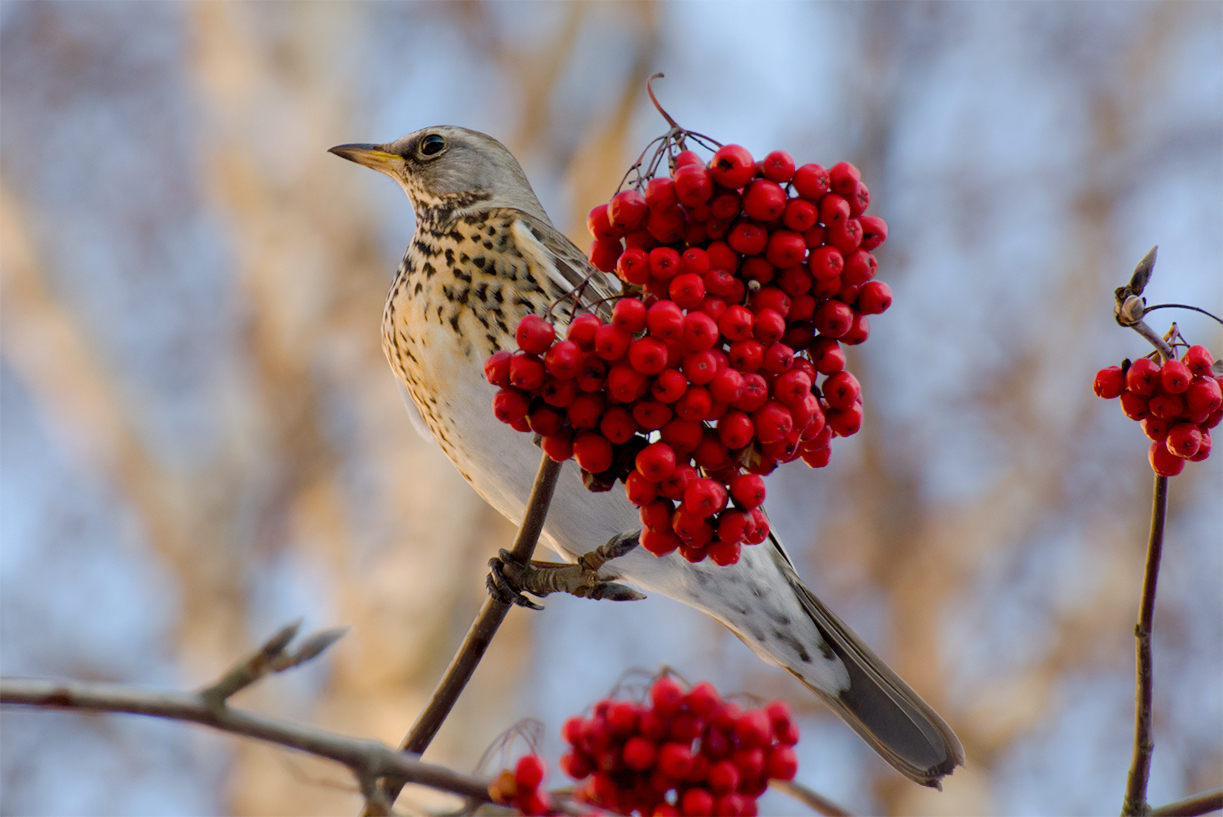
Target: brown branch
<point x="1140" y="769"/>
<point x="1200" y="803"/>
<point x="369" y="760"/>
<point x="481" y="633"/>
<point x="810" y="798"/>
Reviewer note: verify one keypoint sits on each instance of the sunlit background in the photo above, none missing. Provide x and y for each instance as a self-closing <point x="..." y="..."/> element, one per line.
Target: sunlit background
<point x="202" y="441"/>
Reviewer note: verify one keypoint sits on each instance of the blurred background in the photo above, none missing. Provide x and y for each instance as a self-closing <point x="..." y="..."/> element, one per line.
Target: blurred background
<point x="201" y="440"/>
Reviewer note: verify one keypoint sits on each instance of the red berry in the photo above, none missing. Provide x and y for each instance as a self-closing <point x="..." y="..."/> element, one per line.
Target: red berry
<point x="651" y="415"/>
<point x="639" y="490"/>
<point x="778" y="166"/>
<point x="639" y="753"/>
<point x="1164" y="462"/>
<point x="748" y="238"/>
<point x="826" y="264"/>
<point x="1163" y="405"/>
<point x="817" y="457"/>
<point x="497" y="369"/>
<point x="1143" y="377"/>
<point x="660" y="542"/>
<point x="593" y="452"/>
<point x="736" y="323"/>
<point x="1109" y="382"/>
<point x="782" y="763"/>
<point x="1156" y="429"/>
<point x="1134" y="405"/>
<point x="833" y="210"/>
<point x="546" y="420"/>
<point x="1199" y="360"/>
<point x="666" y="321"/>
<point x="875" y="297"/>
<point x="611" y="342"/>
<point x="666" y="225"/>
<point x="695" y="405"/>
<point x="669" y="386"/>
<point x="833" y="319"/>
<point x="618" y="425"/>
<point x="696" y="802"/>
<point x="529" y="772"/>
<point x="627" y="210"/>
<point x="843" y="177"/>
<point x="747" y="355"/>
<point x="564" y="360"/>
<point x="778" y="358"/>
<point x="660" y="193"/>
<point x="605" y="254"/>
<point x="648" y="355"/>
<point x="874" y="232"/>
<point x="773" y="422"/>
<point x="860" y="267"/>
<point x="584" y="412"/>
<point x="769" y="325"/>
<point x="625" y="384"/>
<point x="755" y="393"/>
<point x="764" y="200"/>
<point x="750" y="761"/>
<point x="656" y="461"/>
<point x="705" y="497"/>
<point x="1203" y="396"/>
<point x="1184" y="440"/>
<point x="711" y="454"/>
<point x="633" y="266"/>
<point x="735" y="429"/>
<point x="748" y="491"/>
<point x="510" y="405"/>
<point x="683" y="436"/>
<point x="732" y="166"/>
<point x="785" y="248"/>
<point x="526" y="371"/>
<point x="841" y="390"/>
<point x="727" y="386"/>
<point x="845" y="235"/>
<point x="811" y="181"/>
<point x="845" y="422"/>
<point x="693" y="185"/>
<point x="827" y="356"/>
<point x="800" y="216"/>
<point x="1175" y="377"/>
<point x="599" y="225"/>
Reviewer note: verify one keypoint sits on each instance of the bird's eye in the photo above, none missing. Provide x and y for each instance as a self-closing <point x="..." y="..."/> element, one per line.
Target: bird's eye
<point x="432" y="145"/>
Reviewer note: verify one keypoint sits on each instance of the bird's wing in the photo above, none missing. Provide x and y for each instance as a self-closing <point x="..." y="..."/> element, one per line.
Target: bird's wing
<point x="566" y="264"/>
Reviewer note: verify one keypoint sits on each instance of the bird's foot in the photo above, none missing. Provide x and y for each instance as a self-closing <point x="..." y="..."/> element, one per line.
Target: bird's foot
<point x="509" y="579"/>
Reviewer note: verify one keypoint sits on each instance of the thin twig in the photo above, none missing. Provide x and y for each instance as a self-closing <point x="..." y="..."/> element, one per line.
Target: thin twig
<point x="491" y="614"/>
<point x="1200" y="803"/>
<point x="368" y="760"/>
<point x="1140" y="770"/>
<point x="810" y="798"/>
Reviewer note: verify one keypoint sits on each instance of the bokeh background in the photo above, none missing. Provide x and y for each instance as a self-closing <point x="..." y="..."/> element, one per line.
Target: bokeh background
<point x="201" y="439"/>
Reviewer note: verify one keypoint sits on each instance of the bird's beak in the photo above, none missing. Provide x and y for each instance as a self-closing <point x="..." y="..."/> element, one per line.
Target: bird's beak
<point x="371" y="156"/>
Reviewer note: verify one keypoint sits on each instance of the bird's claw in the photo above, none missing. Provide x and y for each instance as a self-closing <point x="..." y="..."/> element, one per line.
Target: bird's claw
<point x="509" y="579"/>
<point x="505" y="581"/>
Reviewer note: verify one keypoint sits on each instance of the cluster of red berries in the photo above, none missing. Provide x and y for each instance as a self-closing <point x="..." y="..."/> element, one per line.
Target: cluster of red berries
<point x="1177" y="402"/>
<point x="679" y="753"/>
<point x="742" y="281"/>
<point x="521" y="788"/>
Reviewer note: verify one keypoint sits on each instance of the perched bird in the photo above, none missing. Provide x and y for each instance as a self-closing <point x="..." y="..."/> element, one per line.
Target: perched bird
<point x="484" y="255"/>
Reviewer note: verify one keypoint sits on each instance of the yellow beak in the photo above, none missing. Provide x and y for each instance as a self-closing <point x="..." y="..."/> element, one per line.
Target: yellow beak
<point x="371" y="156"/>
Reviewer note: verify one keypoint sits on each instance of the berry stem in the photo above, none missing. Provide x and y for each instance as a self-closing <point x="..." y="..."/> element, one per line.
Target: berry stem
<point x="649" y="89"/>
<point x="1140" y="770"/>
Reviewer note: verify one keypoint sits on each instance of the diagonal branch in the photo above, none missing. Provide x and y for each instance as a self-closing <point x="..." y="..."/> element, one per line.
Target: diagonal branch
<point x="1140" y="769"/>
<point x="491" y="614"/>
<point x="1200" y="803"/>
<point x="369" y="760"/>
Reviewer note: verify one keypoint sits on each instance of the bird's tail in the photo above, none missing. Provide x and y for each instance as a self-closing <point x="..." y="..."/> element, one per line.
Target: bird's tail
<point x="880" y="707"/>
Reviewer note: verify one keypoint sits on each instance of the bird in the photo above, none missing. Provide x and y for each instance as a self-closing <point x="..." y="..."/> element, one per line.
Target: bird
<point x="484" y="255"/>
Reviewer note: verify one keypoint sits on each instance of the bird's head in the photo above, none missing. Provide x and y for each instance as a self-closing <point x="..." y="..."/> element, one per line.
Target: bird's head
<point x="452" y="167"/>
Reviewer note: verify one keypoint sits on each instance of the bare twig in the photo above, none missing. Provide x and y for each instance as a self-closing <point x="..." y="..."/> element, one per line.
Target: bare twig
<point x="271" y="657"/>
<point x="369" y="760"/>
<point x="1140" y="769"/>
<point x="810" y="798"/>
<point x="481" y="633"/>
<point x="1200" y="803"/>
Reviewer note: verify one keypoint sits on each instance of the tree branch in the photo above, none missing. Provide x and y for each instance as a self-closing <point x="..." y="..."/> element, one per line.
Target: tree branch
<point x="810" y="798"/>
<point x="1200" y="803"/>
<point x="481" y="633"/>
<point x="369" y="760"/>
<point x="1140" y="769"/>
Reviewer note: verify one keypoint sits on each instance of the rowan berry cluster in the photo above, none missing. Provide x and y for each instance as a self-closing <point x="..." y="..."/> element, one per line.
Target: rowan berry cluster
<point x="679" y="752"/>
<point x="521" y="788"/>
<point x="1177" y="402"/>
<point x="723" y="358"/>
